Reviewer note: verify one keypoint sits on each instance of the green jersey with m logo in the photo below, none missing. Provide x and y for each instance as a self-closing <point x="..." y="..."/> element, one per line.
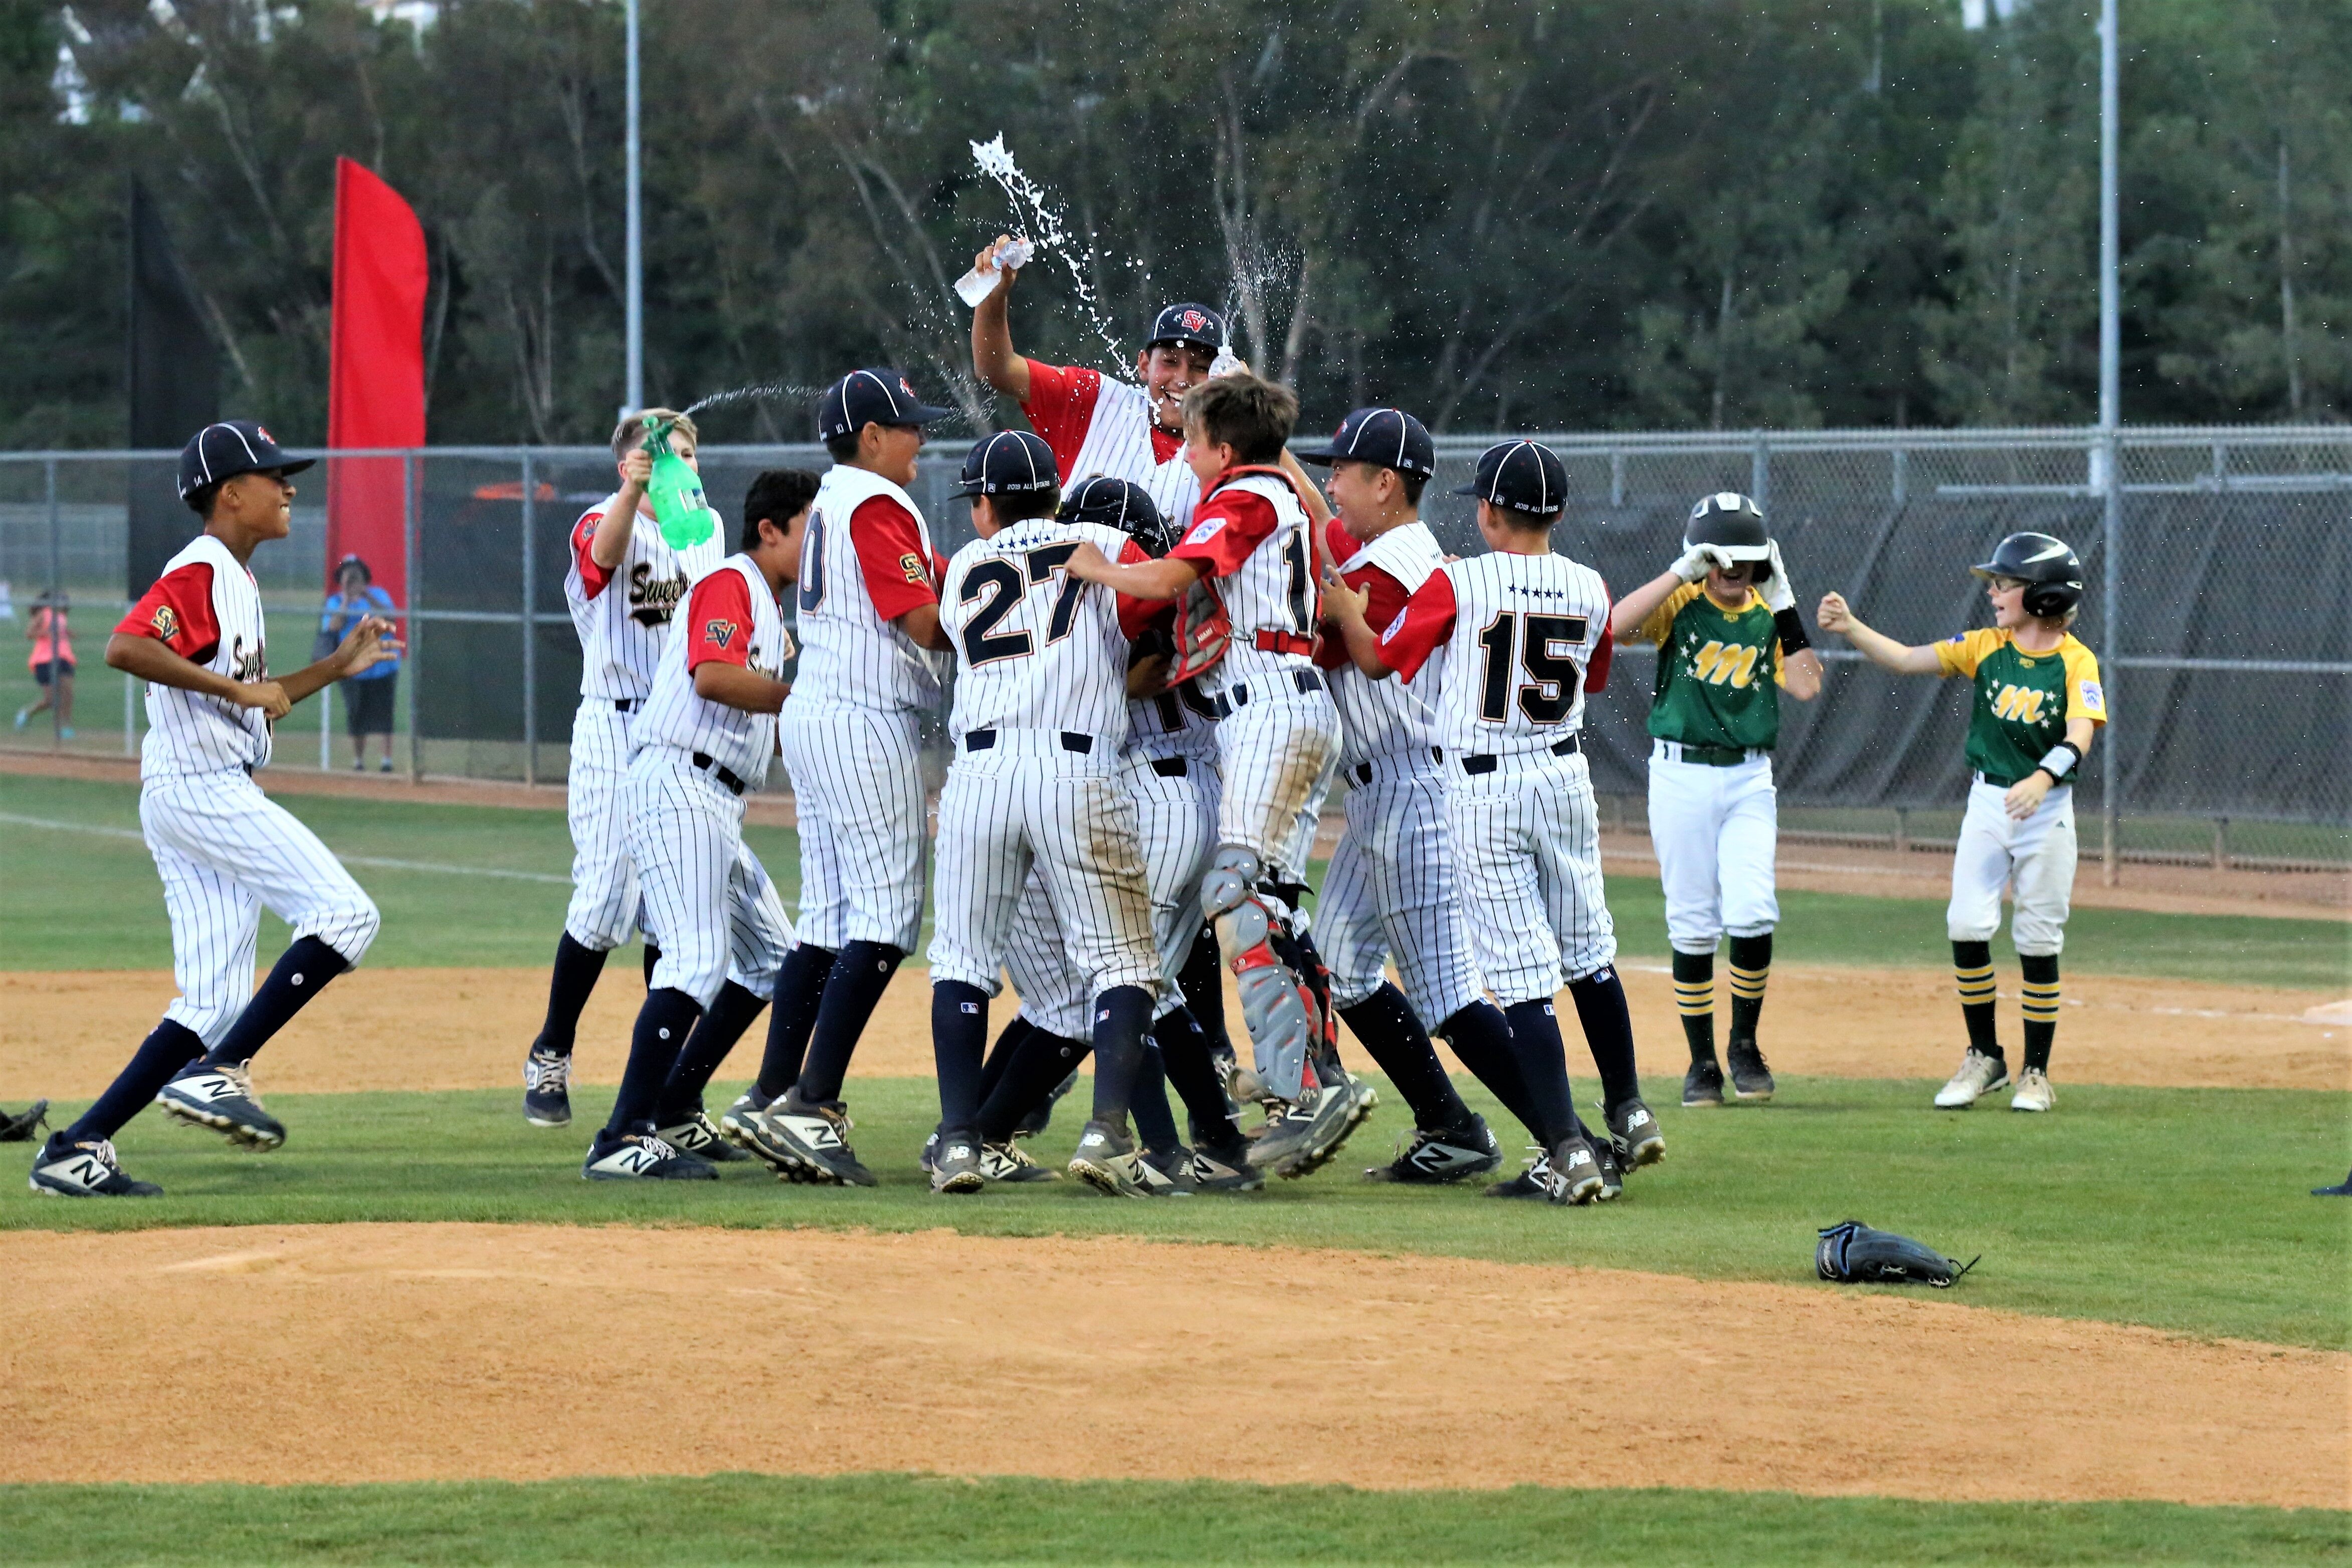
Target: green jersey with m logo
<point x="2023" y="699"/>
<point x="1719" y="671"/>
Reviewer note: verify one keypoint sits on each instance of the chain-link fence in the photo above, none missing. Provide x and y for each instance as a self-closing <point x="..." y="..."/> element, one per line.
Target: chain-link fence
<point x="2219" y="606"/>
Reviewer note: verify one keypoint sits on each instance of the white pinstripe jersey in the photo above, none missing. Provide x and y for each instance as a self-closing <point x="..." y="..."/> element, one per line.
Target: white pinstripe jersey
<point x="1117" y="445"/>
<point x="189" y="733"/>
<point x="675" y="715"/>
<point x="1179" y="723"/>
<point x="1273" y="589"/>
<point x="1040" y="649"/>
<point x="624" y="623"/>
<point x="1518" y="634"/>
<point x="848" y="652"/>
<point x="1381" y="717"/>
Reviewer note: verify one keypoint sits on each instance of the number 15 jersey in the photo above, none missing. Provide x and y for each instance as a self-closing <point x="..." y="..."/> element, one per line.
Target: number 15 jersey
<point x="1525" y="637"/>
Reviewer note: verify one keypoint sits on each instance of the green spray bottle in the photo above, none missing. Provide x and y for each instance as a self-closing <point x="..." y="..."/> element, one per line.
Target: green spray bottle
<point x="676" y="490"/>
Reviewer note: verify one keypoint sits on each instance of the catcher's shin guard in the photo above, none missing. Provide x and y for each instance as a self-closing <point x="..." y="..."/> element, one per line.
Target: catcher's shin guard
<point x="1277" y="1007"/>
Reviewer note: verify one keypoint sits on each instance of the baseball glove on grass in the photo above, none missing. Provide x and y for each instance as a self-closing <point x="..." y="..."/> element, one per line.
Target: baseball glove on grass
<point x="1851" y="1253"/>
<point x="20" y="1129"/>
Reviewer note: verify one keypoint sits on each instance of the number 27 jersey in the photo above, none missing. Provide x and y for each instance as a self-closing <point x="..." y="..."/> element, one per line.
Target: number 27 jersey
<point x="1038" y="648"/>
<point x="1525" y="637"/>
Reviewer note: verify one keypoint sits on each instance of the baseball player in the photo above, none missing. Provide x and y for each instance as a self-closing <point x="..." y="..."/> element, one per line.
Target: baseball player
<point x="1524" y="634"/>
<point x="1389" y="889"/>
<point x="622" y="586"/>
<point x="1252" y="545"/>
<point x="2037" y="706"/>
<point x="703" y="739"/>
<point x="1040" y="719"/>
<point x="1729" y="639"/>
<point x="222" y="848"/>
<point x="870" y="646"/>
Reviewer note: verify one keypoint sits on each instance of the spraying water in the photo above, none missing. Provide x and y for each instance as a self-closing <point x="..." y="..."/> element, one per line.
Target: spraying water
<point x="1041" y="216"/>
<point x="765" y="392"/>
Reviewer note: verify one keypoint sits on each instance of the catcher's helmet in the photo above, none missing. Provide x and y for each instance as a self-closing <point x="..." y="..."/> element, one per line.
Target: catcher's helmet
<point x="1116" y="503"/>
<point x="1734" y="525"/>
<point x="2047" y="565"/>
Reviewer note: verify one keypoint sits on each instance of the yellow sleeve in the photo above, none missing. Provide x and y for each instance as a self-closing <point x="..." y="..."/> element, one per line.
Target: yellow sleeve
<point x="1660" y="625"/>
<point x="1779" y="661"/>
<point x="1960" y="654"/>
<point x="2085" y="698"/>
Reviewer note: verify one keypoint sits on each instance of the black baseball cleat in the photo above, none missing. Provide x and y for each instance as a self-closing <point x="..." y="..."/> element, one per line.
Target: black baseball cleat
<point x="65" y="1168"/>
<point x="699" y="1136"/>
<point x="1040" y="1117"/>
<point x="1634" y="1135"/>
<point x="1446" y="1155"/>
<point x="642" y="1157"/>
<point x="812" y="1137"/>
<point x="1008" y="1166"/>
<point x="547" y="1089"/>
<point x="1166" y="1173"/>
<point x="20" y="1127"/>
<point x="1703" y="1085"/>
<point x="222" y="1099"/>
<point x="955" y="1164"/>
<point x="1106" y="1161"/>
<point x="1612" y="1171"/>
<point x="1750" y="1079"/>
<point x="1575" y="1176"/>
<point x="1534" y="1182"/>
<point x="1225" y="1168"/>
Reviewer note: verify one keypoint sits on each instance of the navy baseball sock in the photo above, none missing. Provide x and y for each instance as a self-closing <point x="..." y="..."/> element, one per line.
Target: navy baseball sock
<point x="722" y="1025"/>
<point x="799" y="987"/>
<point x="1694" y="1000"/>
<point x="1391" y="1032"/>
<point x="959" y="1038"/>
<point x="1009" y="1042"/>
<point x="1038" y="1062"/>
<point x="1155" y="1124"/>
<point x="1481" y="1036"/>
<point x="1972" y="971"/>
<point x="1543" y="1068"/>
<point x="860" y="974"/>
<point x="301" y="971"/>
<point x="1203" y="981"/>
<point x="576" y="970"/>
<point x="653" y="956"/>
<point x="2041" y="1006"/>
<point x="163" y="1052"/>
<point x="1122" y="1016"/>
<point x="1184" y="1052"/>
<point x="663" y="1025"/>
<point x="1600" y="1000"/>
<point x="1751" y="960"/>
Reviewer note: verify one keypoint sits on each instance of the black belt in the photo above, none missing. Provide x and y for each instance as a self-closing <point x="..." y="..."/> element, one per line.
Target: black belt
<point x="627" y="704"/>
<point x="1486" y="762"/>
<point x="719" y="770"/>
<point x="1714" y="756"/>
<point x="1364" y="770"/>
<point x="1238" y="694"/>
<point x="1169" y="767"/>
<point x="1072" y="741"/>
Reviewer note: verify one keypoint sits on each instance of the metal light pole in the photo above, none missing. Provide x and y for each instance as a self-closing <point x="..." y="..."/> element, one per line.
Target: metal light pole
<point x="637" y="242"/>
<point x="2110" y="419"/>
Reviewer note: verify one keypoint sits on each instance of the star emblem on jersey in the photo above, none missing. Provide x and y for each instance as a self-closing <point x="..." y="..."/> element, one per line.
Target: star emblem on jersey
<point x="720" y="633"/>
<point x="166" y="622"/>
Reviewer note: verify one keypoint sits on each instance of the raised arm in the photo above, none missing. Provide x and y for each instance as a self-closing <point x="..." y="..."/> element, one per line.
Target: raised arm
<point x="994" y="358"/>
<point x="1691" y="566"/>
<point x="611" y="540"/>
<point x="1877" y="647"/>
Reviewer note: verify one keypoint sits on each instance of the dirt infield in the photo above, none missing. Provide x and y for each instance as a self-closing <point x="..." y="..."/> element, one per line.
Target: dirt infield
<point x="67" y="1033"/>
<point x="390" y="1352"/>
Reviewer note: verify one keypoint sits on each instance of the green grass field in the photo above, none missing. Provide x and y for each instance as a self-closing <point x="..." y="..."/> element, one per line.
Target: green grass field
<point x="2181" y="1209"/>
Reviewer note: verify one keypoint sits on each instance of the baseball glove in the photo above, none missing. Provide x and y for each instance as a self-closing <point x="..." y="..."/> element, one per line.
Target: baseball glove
<point x="1851" y="1253"/>
<point x="21" y="1128"/>
<point x="1202" y="632"/>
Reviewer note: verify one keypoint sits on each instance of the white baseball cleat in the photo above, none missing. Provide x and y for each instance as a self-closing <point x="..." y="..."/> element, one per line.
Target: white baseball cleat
<point x="2034" y="1091"/>
<point x="1979" y="1076"/>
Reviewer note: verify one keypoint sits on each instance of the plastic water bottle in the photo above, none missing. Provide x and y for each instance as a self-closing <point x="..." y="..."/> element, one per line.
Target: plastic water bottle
<point x="1226" y="363"/>
<point x="676" y="490"/>
<point x="976" y="285"/>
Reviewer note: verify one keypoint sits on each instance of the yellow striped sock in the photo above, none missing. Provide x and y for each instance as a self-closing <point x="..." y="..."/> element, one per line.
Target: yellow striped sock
<point x="1695" y="998"/>
<point x="1748" y="984"/>
<point x="1975" y="984"/>
<point x="2042" y="1004"/>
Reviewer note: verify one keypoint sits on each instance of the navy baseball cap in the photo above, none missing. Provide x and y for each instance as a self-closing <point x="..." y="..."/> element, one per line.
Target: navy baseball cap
<point x="1124" y="505"/>
<point x="1193" y="326"/>
<point x="228" y="447"/>
<point x="1388" y="438"/>
<point x="874" y="397"/>
<point x="1009" y="463"/>
<point x="1520" y="476"/>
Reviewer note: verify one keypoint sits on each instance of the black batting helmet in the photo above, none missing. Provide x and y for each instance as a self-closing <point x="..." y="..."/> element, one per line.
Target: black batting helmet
<point x="2046" y="565"/>
<point x="1734" y="525"/>
<point x="1116" y="503"/>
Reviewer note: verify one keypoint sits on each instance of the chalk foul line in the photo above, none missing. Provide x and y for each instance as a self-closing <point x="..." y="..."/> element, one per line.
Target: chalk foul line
<point x="380" y="862"/>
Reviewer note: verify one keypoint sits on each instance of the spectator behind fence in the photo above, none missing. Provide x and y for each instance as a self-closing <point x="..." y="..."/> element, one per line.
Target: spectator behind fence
<point x="51" y="662"/>
<point x="367" y="696"/>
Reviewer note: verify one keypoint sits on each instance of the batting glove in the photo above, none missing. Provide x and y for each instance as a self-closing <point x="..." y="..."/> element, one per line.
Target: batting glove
<point x="1777" y="594"/>
<point x="1693" y="564"/>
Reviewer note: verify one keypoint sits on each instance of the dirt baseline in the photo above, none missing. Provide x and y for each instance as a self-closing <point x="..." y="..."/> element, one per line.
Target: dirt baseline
<point x="64" y="1035"/>
<point x="390" y="1353"/>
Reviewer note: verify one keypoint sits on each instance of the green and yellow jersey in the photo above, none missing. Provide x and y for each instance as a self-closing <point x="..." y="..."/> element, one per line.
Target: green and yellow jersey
<point x="1719" y="671"/>
<point x="2023" y="699"/>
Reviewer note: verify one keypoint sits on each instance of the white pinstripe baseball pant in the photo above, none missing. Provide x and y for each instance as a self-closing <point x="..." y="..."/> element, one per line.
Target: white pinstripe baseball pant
<point x="226" y="851"/>
<point x="1527" y="854"/>
<point x="709" y="905"/>
<point x="1026" y="802"/>
<point x="604" y="904"/>
<point x="858" y="782"/>
<point x="1277" y="755"/>
<point x="1390" y="893"/>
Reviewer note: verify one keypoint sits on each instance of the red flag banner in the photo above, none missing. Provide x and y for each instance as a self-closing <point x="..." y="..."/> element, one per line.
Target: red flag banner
<point x="376" y="375"/>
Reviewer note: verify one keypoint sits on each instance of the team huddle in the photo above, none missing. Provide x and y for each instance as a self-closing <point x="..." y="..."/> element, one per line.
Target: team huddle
<point x="1167" y="646"/>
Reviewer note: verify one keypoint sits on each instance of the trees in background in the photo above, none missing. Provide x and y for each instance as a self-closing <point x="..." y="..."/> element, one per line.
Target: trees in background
<point x="1548" y="214"/>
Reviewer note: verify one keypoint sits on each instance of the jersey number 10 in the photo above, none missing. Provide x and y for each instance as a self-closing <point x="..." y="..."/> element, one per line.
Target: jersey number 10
<point x="1549" y="691"/>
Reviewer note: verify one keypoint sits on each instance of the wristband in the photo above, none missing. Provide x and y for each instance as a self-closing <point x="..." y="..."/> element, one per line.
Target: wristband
<point x="2059" y="760"/>
<point x="1791" y="627"/>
